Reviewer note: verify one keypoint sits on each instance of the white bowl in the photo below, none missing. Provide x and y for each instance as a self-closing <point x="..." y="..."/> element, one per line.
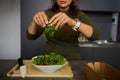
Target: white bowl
<point x="48" y="68"/>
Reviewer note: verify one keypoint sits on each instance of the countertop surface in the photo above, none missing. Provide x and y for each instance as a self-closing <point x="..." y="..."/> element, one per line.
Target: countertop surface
<point x="78" y="67"/>
<point x="99" y="44"/>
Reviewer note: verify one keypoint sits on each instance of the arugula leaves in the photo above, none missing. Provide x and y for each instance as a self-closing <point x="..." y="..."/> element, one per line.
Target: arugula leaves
<point x="50" y="29"/>
<point x="49" y="59"/>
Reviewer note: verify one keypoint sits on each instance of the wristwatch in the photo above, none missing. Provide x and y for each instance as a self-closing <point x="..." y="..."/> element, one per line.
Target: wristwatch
<point x="75" y="28"/>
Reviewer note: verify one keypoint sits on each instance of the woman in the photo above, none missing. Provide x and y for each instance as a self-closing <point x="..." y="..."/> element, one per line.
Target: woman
<point x="70" y="23"/>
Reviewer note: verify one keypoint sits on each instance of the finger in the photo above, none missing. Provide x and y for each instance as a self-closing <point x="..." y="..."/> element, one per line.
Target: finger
<point x="36" y="20"/>
<point x="57" y="26"/>
<point x="41" y="19"/>
<point x="57" y="19"/>
<point x="54" y="17"/>
<point x="45" y="18"/>
<point x="63" y="21"/>
<point x="58" y="23"/>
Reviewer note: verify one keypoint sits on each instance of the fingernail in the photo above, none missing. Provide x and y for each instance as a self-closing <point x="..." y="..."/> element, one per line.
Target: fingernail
<point x="46" y="22"/>
<point x="44" y="25"/>
<point x="49" y="22"/>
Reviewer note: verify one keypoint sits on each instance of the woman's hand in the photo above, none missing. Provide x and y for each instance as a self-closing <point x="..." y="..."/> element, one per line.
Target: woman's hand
<point x="60" y="19"/>
<point x="40" y="19"/>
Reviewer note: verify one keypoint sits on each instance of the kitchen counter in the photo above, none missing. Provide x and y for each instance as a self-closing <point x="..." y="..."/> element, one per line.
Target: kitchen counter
<point x="101" y="51"/>
<point x="78" y="68"/>
<point x="99" y="44"/>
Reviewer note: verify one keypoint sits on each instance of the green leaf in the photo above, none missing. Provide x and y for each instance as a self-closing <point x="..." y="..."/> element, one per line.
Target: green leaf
<point x="49" y="59"/>
<point x="50" y="29"/>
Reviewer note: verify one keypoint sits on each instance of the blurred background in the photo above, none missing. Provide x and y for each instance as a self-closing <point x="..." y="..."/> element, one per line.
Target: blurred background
<point x="16" y="15"/>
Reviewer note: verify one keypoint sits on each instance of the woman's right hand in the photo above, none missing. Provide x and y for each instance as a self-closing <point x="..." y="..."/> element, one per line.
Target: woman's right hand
<point x="40" y="18"/>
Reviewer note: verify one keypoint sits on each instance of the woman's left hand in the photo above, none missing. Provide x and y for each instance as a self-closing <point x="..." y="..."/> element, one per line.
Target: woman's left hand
<point x="60" y="19"/>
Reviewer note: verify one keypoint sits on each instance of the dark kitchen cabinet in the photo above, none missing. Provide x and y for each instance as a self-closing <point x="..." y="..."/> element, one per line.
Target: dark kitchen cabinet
<point x="109" y="53"/>
<point x="100" y="5"/>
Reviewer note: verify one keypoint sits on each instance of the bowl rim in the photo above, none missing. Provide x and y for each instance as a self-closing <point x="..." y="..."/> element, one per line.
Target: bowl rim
<point x="65" y="62"/>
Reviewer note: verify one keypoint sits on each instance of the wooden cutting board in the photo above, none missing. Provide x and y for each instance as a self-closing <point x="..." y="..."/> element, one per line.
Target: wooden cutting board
<point x="34" y="72"/>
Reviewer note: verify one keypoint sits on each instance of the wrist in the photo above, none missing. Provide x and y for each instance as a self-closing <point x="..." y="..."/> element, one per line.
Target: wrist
<point x="77" y="25"/>
<point x="32" y="28"/>
<point x="73" y="22"/>
<point x="34" y="23"/>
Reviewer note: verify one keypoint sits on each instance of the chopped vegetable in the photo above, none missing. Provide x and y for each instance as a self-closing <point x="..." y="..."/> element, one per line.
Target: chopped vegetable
<point x="50" y="29"/>
<point x="49" y="59"/>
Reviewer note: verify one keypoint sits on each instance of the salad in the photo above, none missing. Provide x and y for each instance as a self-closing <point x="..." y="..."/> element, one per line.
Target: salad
<point x="49" y="59"/>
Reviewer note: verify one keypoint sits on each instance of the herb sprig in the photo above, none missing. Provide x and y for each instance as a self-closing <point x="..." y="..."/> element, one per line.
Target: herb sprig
<point x="50" y="29"/>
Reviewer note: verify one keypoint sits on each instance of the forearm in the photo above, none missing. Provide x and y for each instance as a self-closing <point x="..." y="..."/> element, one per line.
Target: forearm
<point x="32" y="28"/>
<point x="89" y="31"/>
<point x="83" y="28"/>
<point x="34" y="31"/>
<point x="86" y="30"/>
